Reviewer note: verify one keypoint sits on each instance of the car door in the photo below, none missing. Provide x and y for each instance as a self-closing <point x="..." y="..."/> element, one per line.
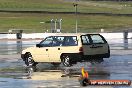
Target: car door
<point x="42" y="52"/>
<point x="55" y="50"/>
<point x="99" y="44"/>
<point x="94" y="44"/>
<point x="86" y="44"/>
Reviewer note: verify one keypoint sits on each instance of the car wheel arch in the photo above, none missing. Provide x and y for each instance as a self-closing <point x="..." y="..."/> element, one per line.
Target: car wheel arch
<point x="25" y="55"/>
<point x="63" y="54"/>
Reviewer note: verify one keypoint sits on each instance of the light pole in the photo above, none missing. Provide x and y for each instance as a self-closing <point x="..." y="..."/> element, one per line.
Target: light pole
<point x="60" y="21"/>
<point x="43" y="24"/>
<point x="75" y="5"/>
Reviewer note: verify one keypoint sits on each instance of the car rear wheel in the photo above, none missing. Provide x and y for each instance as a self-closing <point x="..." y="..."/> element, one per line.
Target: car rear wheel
<point x="66" y="60"/>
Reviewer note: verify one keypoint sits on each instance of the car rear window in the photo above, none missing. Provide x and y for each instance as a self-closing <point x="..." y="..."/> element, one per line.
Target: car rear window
<point x="97" y="39"/>
<point x="92" y="39"/>
<point x="85" y="39"/>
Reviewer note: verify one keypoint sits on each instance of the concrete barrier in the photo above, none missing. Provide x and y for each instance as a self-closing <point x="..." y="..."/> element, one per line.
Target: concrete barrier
<point x="43" y="35"/>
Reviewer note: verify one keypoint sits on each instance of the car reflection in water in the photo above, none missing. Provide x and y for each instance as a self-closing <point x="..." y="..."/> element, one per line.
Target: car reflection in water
<point x="95" y="70"/>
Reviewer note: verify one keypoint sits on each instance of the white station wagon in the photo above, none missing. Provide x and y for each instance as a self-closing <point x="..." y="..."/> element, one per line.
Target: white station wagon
<point x="67" y="48"/>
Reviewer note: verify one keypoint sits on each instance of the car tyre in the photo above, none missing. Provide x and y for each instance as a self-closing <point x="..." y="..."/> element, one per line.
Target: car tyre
<point x="29" y="60"/>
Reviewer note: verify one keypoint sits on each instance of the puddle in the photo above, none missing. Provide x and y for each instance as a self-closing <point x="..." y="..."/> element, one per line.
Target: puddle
<point x="115" y="64"/>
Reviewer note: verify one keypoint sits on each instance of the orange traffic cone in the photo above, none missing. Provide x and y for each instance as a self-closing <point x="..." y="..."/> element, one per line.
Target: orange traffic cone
<point x="84" y="78"/>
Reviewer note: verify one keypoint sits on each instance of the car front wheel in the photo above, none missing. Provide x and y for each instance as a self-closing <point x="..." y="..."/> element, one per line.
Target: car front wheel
<point x="29" y="60"/>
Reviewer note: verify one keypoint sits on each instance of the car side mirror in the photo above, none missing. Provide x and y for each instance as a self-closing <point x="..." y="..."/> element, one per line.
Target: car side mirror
<point x="38" y="45"/>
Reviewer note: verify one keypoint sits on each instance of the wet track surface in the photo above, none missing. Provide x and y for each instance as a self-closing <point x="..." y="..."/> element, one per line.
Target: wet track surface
<point x="14" y="73"/>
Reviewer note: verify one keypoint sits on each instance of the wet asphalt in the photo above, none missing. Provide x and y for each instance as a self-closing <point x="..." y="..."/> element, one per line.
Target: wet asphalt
<point x="14" y="73"/>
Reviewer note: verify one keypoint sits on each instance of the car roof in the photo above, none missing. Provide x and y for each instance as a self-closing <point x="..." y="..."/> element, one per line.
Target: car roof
<point x="72" y="34"/>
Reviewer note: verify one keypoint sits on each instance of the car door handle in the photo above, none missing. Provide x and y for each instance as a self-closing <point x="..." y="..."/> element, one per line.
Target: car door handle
<point x="58" y="48"/>
<point x="46" y="49"/>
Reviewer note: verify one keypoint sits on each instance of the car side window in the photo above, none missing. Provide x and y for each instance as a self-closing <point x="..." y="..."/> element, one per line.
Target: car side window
<point x="57" y="41"/>
<point x="97" y="39"/>
<point x="70" y="41"/>
<point x="85" y="40"/>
